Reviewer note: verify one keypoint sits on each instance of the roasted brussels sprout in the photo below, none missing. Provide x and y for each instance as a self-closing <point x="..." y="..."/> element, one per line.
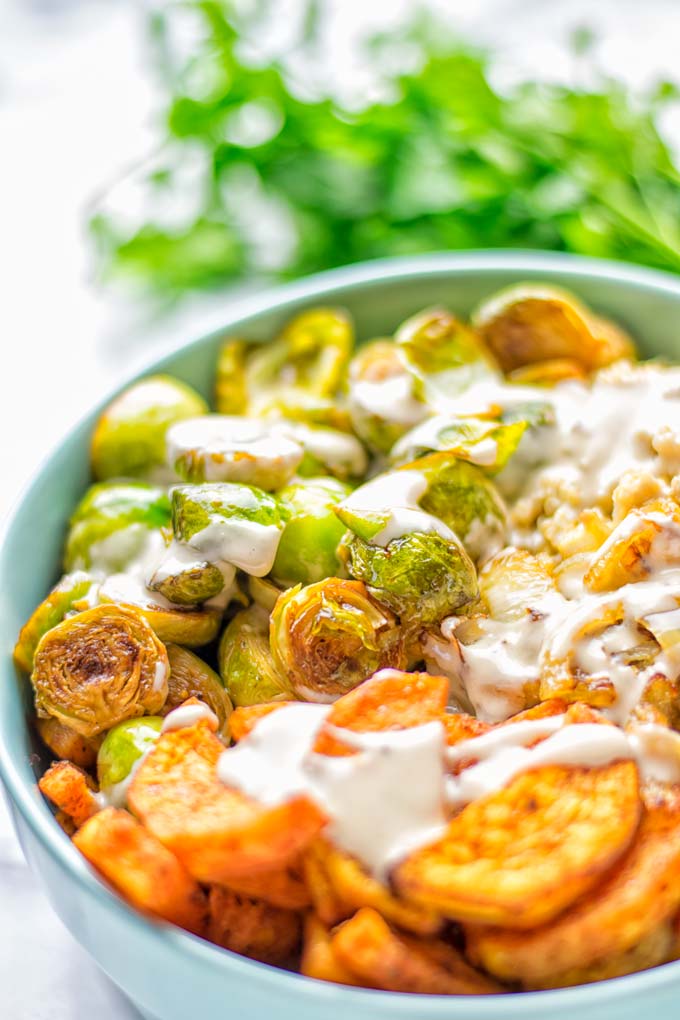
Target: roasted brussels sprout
<point x="229" y="523"/>
<point x="121" y="750"/>
<point x="129" y="439"/>
<point x="115" y="523"/>
<point x="382" y="402"/>
<point x="534" y="322"/>
<point x="220" y="448"/>
<point x="66" y="743"/>
<point x="183" y="625"/>
<point x="328" y="637"/>
<point x="327" y="451"/>
<point x="188" y="584"/>
<point x="69" y="591"/>
<point x="192" y="677"/>
<point x="263" y="592"/>
<point x="99" y="667"/>
<point x="489" y="444"/>
<point x="231" y="395"/>
<point x="246" y="664"/>
<point x="307" y="551"/>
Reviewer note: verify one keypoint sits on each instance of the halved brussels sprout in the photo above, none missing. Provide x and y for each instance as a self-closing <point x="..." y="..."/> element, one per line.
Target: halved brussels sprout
<point x="237" y="524"/>
<point x="308" y="409"/>
<point x="444" y="354"/>
<point x="535" y="322"/>
<point x="66" y="593"/>
<point x="231" y="395"/>
<point x="182" y="625"/>
<point x="114" y="524"/>
<point x="307" y="551"/>
<point x="98" y="668"/>
<point x="548" y="372"/>
<point x="382" y="402"/>
<point x="191" y="585"/>
<point x="129" y="438"/>
<point x="192" y="677"/>
<point x="326" y="638"/>
<point x="66" y="743"/>
<point x="489" y="444"/>
<point x="263" y="592"/>
<point x="421" y="576"/>
<point x="327" y="451"/>
<point x="224" y="448"/>
<point x="122" y="748"/>
<point x="246" y="664"/>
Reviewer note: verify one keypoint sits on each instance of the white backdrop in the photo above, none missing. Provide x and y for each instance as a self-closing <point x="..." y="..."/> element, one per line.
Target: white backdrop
<point x="75" y="108"/>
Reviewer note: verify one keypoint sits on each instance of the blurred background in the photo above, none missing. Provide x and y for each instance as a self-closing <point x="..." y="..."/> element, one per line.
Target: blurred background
<point x="160" y="160"/>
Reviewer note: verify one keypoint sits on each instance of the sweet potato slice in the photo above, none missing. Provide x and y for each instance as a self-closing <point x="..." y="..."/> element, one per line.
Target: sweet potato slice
<point x="356" y="888"/>
<point x="325" y="900"/>
<point x="282" y="888"/>
<point x="252" y="927"/>
<point x="641" y="893"/>
<point x="319" y="959"/>
<point x="520" y="856"/>
<point x="71" y="790"/>
<point x="218" y="833"/>
<point x="367" y="946"/>
<point x="243" y="720"/>
<point x="142" y="869"/>
<point x="65" y="743"/>
<point x="460" y="726"/>
<point x="390" y="700"/>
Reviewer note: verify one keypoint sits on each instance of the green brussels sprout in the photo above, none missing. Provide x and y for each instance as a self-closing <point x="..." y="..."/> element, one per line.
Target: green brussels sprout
<point x="129" y="438"/>
<point x="236" y="524"/>
<point x="382" y="402"/>
<point x="327" y="451"/>
<point x="263" y="592"/>
<point x="231" y="396"/>
<point x="191" y="585"/>
<point x="224" y="448"/>
<point x="122" y="749"/>
<point x="422" y="576"/>
<point x="192" y="677"/>
<point x="246" y="665"/>
<point x="307" y="551"/>
<point x="307" y="409"/>
<point x="68" y="594"/>
<point x="99" y="667"/>
<point x="489" y="444"/>
<point x="183" y="625"/>
<point x="113" y="525"/>
<point x="328" y="637"/>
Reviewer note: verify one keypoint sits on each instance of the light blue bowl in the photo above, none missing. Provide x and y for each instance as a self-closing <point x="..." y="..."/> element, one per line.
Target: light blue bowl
<point x="171" y="975"/>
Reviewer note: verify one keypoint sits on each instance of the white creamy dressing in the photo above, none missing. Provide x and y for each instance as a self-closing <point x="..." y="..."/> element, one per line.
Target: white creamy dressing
<point x="337" y="451"/>
<point x="116" y="795"/>
<point x="390" y="400"/>
<point x="427" y="436"/>
<point x="188" y="715"/>
<point x="180" y="557"/>
<point x="233" y="448"/>
<point x="120" y="548"/>
<point x="245" y="544"/>
<point x="396" y="495"/>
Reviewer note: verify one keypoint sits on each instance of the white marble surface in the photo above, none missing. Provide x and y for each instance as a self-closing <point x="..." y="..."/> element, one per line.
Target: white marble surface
<point x="75" y="107"/>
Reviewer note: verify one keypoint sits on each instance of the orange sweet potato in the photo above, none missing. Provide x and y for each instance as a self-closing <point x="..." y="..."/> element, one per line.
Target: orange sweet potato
<point x="252" y="927"/>
<point x="319" y="960"/>
<point x="218" y="833"/>
<point x="71" y="790"/>
<point x="282" y="888"/>
<point x="66" y="743"/>
<point x="520" y="856"/>
<point x="325" y="899"/>
<point x="243" y="720"/>
<point x="368" y="947"/>
<point x="142" y="869"/>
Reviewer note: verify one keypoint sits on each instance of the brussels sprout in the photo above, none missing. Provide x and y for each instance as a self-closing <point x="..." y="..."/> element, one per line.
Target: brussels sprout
<point x="123" y="747"/>
<point x="444" y="354"/>
<point x="231" y="395"/>
<point x="327" y="638"/>
<point x="129" y="439"/>
<point x="98" y="668"/>
<point x="534" y="322"/>
<point x="308" y="548"/>
<point x="66" y="743"/>
<point x="307" y="409"/>
<point x="421" y="576"/>
<point x="547" y="373"/>
<point x="489" y="444"/>
<point x="221" y="448"/>
<point x="382" y="403"/>
<point x="237" y="524"/>
<point x="327" y="451"/>
<point x="263" y="592"/>
<point x="246" y="664"/>
<point x="183" y="625"/>
<point x="69" y="591"/>
<point x="113" y="524"/>
<point x="191" y="585"/>
<point x="191" y="677"/>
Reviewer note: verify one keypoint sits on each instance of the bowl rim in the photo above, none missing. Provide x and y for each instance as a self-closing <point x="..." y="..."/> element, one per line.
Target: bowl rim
<point x="39" y="819"/>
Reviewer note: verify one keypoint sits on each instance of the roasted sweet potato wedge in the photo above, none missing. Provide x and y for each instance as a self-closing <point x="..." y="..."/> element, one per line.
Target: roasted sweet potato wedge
<point x="390" y="700"/>
<point x="368" y="947"/>
<point x="325" y="899"/>
<point x="641" y="894"/>
<point x="66" y="743"/>
<point x="145" y="873"/>
<point x="71" y="790"/>
<point x="244" y="719"/>
<point x="252" y="927"/>
<point x="218" y="833"/>
<point x="319" y="960"/>
<point x="520" y="856"/>
<point x="284" y="888"/>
